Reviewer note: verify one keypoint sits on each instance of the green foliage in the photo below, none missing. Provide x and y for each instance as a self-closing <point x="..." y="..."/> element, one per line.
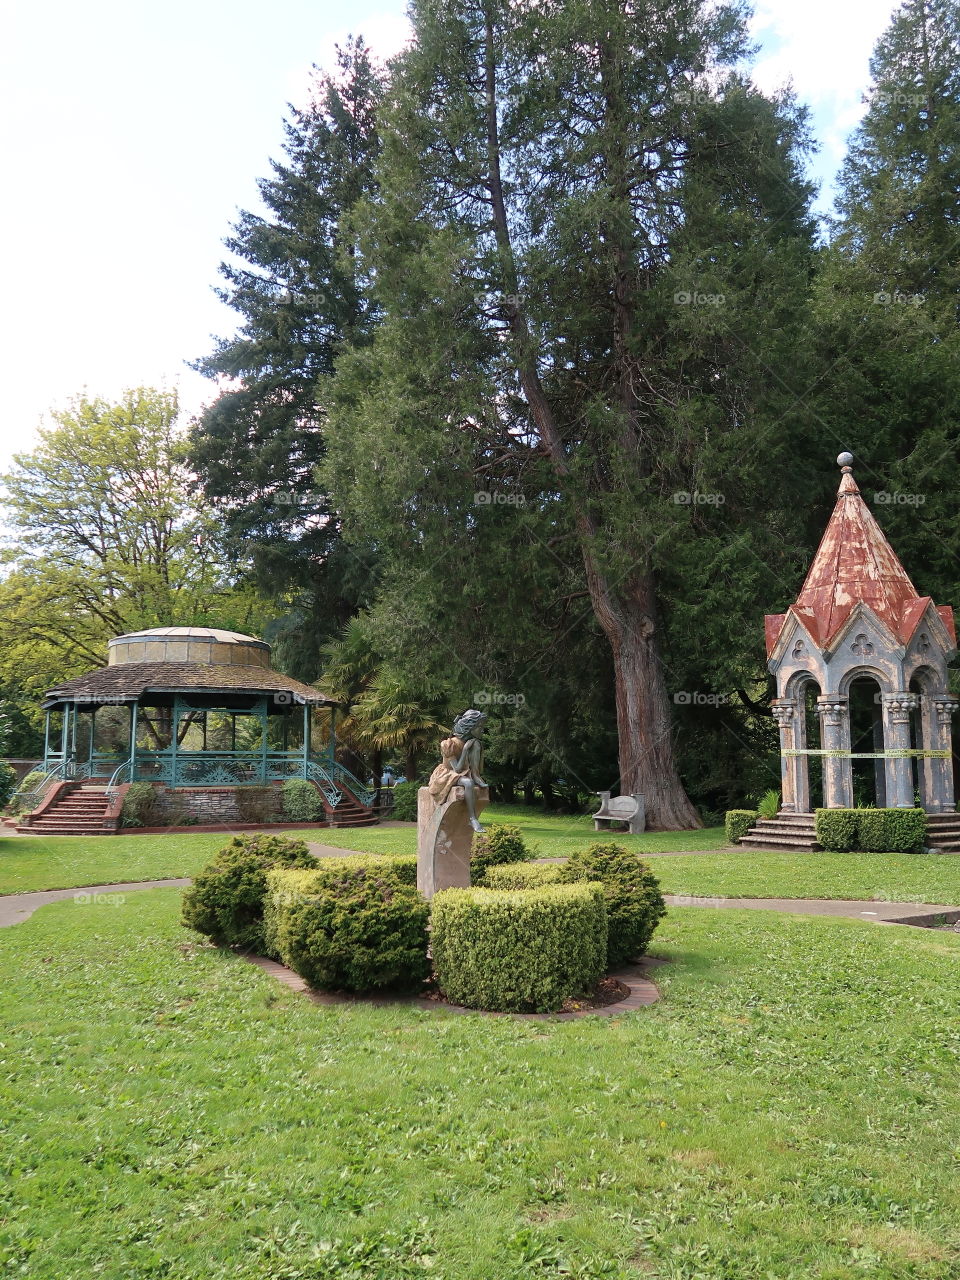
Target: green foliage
<point x="499" y="844"/>
<point x="737" y="822"/>
<point x="296" y="285"/>
<point x="837" y="829"/>
<point x="891" y="830"/>
<point x="523" y="875"/>
<point x="21" y="801"/>
<point x="523" y="952"/>
<point x="141" y="805"/>
<point x="634" y="902"/>
<point x="302" y="801"/>
<point x="405" y="801"/>
<point x="351" y="928"/>
<point x="226" y="899"/>
<point x="769" y="804"/>
<point x="871" y="830"/>
<point x="8" y="783"/>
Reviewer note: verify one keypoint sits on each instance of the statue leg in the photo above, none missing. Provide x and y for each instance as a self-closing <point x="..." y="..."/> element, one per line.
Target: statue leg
<point x="468" y="795"/>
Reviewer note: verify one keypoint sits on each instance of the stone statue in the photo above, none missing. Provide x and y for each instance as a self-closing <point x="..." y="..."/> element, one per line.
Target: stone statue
<point x="461" y="760"/>
<point x="447" y="808"/>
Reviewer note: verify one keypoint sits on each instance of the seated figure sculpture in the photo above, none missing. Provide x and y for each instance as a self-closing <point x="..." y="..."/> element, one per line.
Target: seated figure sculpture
<point x="460" y="763"/>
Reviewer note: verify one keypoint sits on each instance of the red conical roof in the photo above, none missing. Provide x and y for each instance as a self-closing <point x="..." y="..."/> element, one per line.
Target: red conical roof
<point x="855" y="564"/>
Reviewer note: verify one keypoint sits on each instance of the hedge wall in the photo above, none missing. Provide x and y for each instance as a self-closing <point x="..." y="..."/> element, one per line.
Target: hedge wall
<point x="737" y="822"/>
<point x="520" y="952"/>
<point x="871" y="830"/>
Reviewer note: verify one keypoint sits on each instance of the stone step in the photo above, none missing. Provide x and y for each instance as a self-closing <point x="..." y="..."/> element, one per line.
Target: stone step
<point x="779" y="841"/>
<point x="774" y="824"/>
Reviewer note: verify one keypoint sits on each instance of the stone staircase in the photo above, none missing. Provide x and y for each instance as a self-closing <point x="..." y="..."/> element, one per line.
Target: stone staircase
<point x="787" y="831"/>
<point x="943" y="832"/>
<point x="349" y="812"/>
<point x="78" y="810"/>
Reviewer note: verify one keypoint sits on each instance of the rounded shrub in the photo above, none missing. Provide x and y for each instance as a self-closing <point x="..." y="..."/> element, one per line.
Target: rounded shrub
<point x="519" y="952"/>
<point x="8" y="783"/>
<point x="350" y="929"/>
<point x="226" y="899"/>
<point x="141" y="805"/>
<point x="302" y="801"/>
<point x="21" y="800"/>
<point x="737" y="822"/>
<point x="405" y="801"/>
<point x="492" y="848"/>
<point x="634" y="902"/>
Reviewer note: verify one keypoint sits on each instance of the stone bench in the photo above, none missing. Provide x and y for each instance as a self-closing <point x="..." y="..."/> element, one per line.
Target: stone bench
<point x="628" y="809"/>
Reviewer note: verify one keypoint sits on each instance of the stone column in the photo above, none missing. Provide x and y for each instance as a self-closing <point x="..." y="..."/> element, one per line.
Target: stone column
<point x="794" y="776"/>
<point x="834" y="715"/>
<point x="941" y="739"/>
<point x="897" y="708"/>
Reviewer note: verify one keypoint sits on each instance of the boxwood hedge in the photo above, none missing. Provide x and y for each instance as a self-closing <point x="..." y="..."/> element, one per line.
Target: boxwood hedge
<point x="522" y="952"/>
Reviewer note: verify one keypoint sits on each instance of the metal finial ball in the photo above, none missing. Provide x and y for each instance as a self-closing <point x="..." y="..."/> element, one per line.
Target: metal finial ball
<point x="845" y="460"/>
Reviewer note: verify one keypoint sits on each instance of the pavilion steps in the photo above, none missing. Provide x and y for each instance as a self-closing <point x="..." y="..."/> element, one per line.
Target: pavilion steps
<point x="350" y="813"/>
<point x="787" y="831"/>
<point x="943" y="832"/>
<point x="77" y="811"/>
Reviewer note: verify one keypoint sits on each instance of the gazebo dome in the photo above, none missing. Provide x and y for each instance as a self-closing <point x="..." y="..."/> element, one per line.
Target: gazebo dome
<point x="208" y="645"/>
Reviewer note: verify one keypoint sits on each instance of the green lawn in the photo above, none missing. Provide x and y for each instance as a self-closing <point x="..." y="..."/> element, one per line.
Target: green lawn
<point x="788" y="1111"/>
<point x="63" y="862"/>
<point x="51" y="862"/>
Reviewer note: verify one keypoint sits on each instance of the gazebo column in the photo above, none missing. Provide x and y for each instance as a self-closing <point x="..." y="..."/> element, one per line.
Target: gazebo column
<point x="306" y="737"/>
<point x="896" y="737"/>
<point x="46" y="738"/>
<point x="879" y="765"/>
<point x="134" y="713"/>
<point x="834" y="715"/>
<point x="941" y="739"/>
<point x="794" y="770"/>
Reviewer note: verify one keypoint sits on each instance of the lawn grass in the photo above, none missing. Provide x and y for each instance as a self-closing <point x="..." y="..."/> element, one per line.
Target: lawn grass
<point x="787" y="1111"/>
<point x="65" y="862"/>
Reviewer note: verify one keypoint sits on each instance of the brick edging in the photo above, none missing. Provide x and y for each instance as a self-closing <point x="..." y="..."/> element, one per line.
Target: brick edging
<point x="643" y="991"/>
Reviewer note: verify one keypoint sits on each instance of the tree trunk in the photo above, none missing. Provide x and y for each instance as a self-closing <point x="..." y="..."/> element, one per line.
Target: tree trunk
<point x="644" y="722"/>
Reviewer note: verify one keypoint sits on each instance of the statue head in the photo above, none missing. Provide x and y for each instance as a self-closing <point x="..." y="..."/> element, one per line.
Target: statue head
<point x="470" y="724"/>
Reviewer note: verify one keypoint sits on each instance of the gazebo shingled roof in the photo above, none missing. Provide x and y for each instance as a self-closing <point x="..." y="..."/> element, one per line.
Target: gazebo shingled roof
<point x="130" y="681"/>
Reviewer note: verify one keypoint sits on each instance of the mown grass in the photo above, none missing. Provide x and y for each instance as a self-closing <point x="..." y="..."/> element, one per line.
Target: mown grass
<point x="65" y="862"/>
<point x="788" y="1110"/>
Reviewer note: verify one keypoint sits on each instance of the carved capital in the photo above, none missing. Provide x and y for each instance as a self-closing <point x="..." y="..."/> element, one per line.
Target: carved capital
<point x="945" y="707"/>
<point x="832" y="710"/>
<point x="899" y="705"/>
<point x="783" y="713"/>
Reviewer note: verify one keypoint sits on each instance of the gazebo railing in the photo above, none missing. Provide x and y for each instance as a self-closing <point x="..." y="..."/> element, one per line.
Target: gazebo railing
<point x="343" y="775"/>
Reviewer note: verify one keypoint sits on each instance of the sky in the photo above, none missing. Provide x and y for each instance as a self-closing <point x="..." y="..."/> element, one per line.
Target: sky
<point x="132" y="134"/>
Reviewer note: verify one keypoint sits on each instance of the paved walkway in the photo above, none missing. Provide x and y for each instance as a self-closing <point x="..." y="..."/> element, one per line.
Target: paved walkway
<point x="16" y="907"/>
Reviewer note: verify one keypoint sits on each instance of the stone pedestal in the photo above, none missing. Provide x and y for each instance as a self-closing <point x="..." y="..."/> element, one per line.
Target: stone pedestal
<point x="444" y="839"/>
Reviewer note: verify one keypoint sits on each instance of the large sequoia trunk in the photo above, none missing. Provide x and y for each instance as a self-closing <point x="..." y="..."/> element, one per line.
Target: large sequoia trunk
<point x="644" y="724"/>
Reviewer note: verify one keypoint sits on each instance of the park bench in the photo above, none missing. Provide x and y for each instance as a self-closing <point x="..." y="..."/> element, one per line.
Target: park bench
<point x="628" y="809"/>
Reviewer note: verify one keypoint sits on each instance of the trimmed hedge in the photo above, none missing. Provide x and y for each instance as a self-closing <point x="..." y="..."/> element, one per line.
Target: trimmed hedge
<point x="519" y="952"/>
<point x="871" y="830"/>
<point x="892" y="830"/>
<point x="836" y="829"/>
<point x="325" y="876"/>
<point x="350" y="929"/>
<point x="494" y="847"/>
<point x="18" y="803"/>
<point x="524" y="875"/>
<point x="737" y="822"/>
<point x="226" y="898"/>
<point x="405" y="802"/>
<point x="631" y="891"/>
<point x="302" y="801"/>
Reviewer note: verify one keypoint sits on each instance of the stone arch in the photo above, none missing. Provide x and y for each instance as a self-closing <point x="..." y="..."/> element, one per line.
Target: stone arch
<point x="864" y="672"/>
